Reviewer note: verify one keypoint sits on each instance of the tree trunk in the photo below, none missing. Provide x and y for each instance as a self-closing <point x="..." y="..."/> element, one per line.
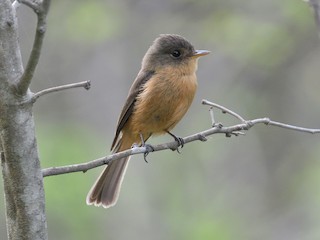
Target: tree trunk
<point x="22" y="177"/>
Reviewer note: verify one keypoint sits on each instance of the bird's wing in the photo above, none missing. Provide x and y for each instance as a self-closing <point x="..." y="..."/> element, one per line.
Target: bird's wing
<point x="127" y="109"/>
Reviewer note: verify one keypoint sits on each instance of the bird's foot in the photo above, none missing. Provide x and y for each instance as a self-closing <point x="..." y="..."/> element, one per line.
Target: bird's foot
<point x="179" y="140"/>
<point x="149" y="149"/>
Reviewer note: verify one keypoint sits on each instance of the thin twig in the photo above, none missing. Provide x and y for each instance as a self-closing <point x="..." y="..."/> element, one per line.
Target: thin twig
<point x="85" y="84"/>
<point x="41" y="9"/>
<point x="213" y="121"/>
<point x="223" y="109"/>
<point x="267" y="121"/>
<point x="236" y="130"/>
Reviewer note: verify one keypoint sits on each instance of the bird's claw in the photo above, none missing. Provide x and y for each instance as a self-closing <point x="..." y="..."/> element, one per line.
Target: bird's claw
<point x="149" y="149"/>
<point x="180" y="142"/>
<point x="217" y="125"/>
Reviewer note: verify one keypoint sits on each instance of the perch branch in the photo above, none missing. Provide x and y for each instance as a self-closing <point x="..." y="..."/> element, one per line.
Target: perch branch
<point x="41" y="9"/>
<point x="85" y="84"/>
<point x="200" y="136"/>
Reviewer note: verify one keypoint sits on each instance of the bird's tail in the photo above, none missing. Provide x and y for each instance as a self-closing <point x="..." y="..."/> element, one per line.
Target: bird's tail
<point x="105" y="191"/>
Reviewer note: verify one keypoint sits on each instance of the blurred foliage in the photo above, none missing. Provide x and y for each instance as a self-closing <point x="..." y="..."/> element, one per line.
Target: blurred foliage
<point x="62" y="145"/>
<point x="238" y="35"/>
<point x="87" y="22"/>
<point x="264" y="62"/>
<point x="258" y="40"/>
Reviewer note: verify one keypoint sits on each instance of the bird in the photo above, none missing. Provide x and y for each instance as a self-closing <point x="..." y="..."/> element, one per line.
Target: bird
<point x="159" y="97"/>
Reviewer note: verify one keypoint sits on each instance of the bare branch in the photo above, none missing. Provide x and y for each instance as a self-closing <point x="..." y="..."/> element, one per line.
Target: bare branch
<point x="267" y="121"/>
<point x="92" y="164"/>
<point x="235" y="130"/>
<point x="223" y="109"/>
<point x="41" y="9"/>
<point x="133" y="151"/>
<point x="85" y="84"/>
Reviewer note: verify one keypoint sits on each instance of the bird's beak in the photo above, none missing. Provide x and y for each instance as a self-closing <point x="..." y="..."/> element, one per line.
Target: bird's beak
<point x="200" y="53"/>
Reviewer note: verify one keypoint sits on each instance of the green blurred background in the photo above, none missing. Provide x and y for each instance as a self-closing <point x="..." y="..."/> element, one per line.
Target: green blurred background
<point x="264" y="62"/>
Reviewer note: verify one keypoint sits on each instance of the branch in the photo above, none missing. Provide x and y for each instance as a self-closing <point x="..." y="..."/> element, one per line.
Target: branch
<point x="266" y="121"/>
<point x="83" y="167"/>
<point x="41" y="8"/>
<point x="200" y="136"/>
<point x="224" y="110"/>
<point x="85" y="84"/>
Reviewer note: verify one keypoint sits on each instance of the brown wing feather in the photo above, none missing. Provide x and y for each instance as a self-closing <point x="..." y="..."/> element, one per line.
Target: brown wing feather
<point x="127" y="109"/>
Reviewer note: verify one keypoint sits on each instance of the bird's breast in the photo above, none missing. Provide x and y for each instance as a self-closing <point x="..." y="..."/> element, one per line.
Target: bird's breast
<point x="164" y="100"/>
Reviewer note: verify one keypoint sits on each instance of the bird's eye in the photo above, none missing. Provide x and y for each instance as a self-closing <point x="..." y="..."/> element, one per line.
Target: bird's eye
<point x="176" y="53"/>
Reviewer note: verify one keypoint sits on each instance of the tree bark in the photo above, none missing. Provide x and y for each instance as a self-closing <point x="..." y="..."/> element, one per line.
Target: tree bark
<point x="22" y="178"/>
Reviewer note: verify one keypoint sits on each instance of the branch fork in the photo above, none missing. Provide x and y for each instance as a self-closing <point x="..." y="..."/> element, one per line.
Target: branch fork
<point x="41" y="8"/>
